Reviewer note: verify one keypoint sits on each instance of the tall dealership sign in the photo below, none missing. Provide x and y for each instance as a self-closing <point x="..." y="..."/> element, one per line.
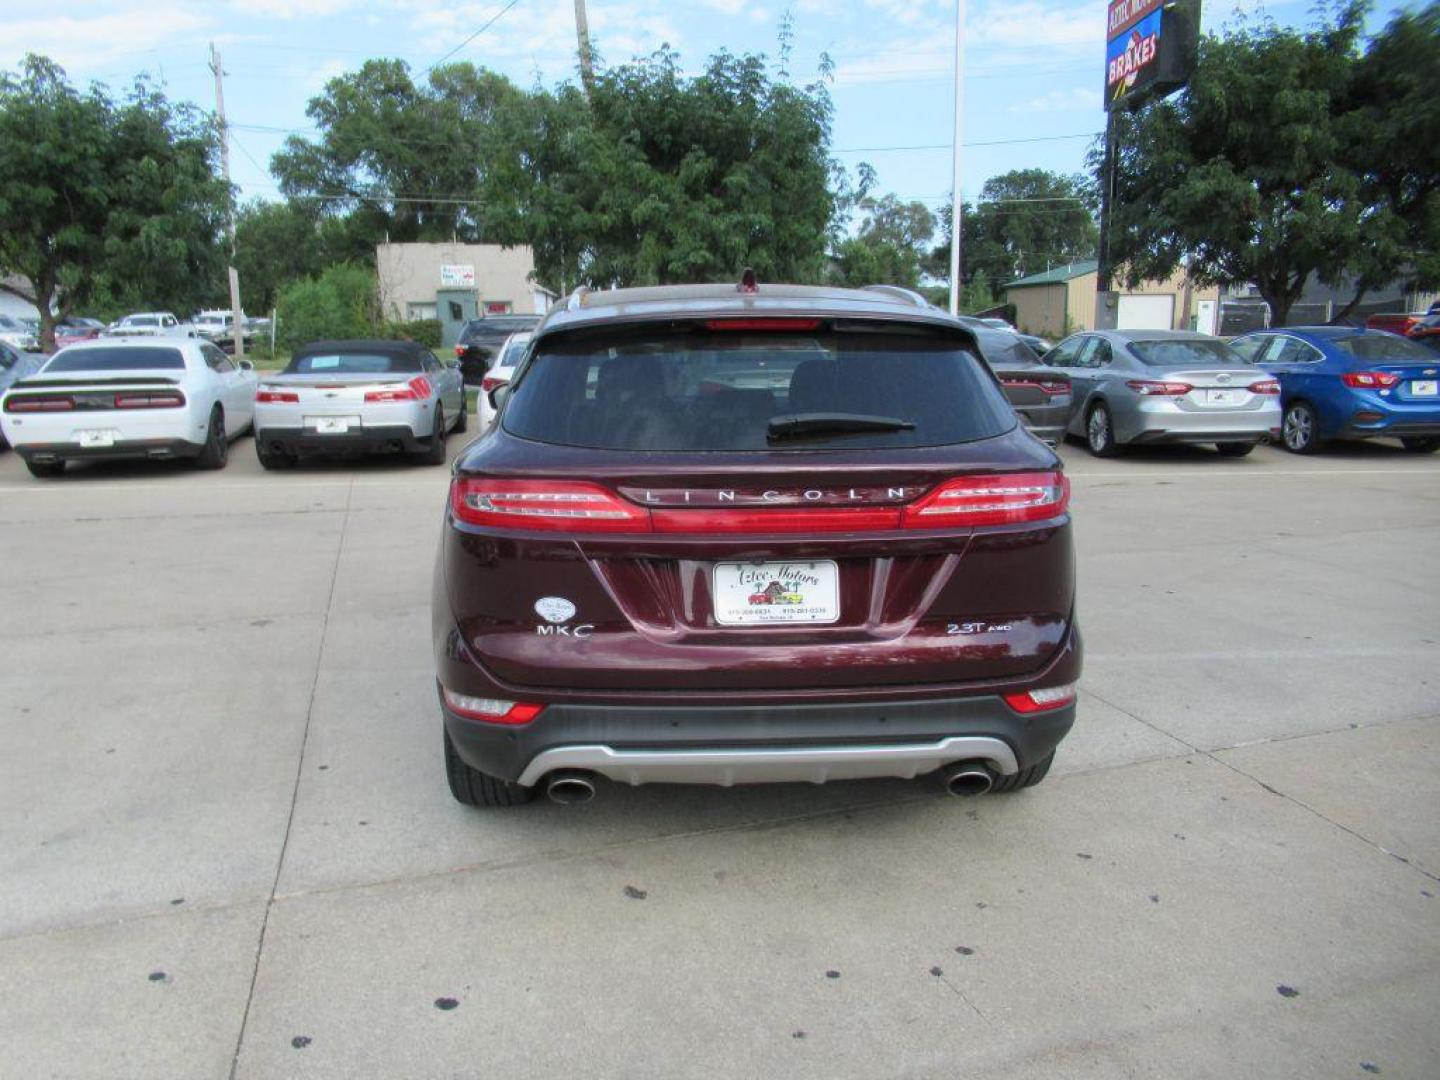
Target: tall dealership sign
<point x="1150" y="50"/>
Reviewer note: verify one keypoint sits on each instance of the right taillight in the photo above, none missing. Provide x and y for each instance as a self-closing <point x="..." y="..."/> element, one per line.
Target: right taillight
<point x="492" y="710"/>
<point x="490" y="382"/>
<point x="164" y="400"/>
<point x="571" y="506"/>
<point x="1265" y="386"/>
<point x="1005" y="499"/>
<point x="1033" y="701"/>
<point x="1369" y="380"/>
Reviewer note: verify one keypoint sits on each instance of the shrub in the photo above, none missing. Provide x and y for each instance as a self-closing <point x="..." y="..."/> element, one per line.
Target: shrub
<point x="340" y="303"/>
<point x="425" y="332"/>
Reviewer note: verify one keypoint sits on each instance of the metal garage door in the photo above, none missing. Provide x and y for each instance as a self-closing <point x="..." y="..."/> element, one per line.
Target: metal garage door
<point x="1147" y="312"/>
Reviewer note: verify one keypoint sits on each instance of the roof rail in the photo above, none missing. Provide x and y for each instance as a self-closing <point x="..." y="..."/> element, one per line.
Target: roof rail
<point x="910" y="296"/>
<point x="577" y="298"/>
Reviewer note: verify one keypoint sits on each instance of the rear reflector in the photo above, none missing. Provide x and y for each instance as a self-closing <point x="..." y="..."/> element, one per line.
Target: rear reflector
<point x="171" y="399"/>
<point x="1268" y="386"/>
<point x="1033" y="701"/>
<point x="1162" y="389"/>
<point x="276" y="397"/>
<point x="762" y="324"/>
<point x="1006" y="499"/>
<point x="39" y="404"/>
<point x="575" y="506"/>
<point x="550" y="505"/>
<point x="1370" y="380"/>
<point x="414" y="390"/>
<point x="491" y="710"/>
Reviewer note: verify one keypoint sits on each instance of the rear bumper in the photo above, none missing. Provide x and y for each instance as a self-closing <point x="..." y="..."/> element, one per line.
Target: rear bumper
<point x="369" y="439"/>
<point x="1161" y="421"/>
<point x="157" y="449"/>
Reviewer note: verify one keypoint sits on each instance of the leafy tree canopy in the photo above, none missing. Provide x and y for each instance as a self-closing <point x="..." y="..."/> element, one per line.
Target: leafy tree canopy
<point x="1289" y="154"/>
<point x="104" y="201"/>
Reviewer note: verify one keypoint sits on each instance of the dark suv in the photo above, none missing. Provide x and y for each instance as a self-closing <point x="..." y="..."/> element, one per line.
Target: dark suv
<point x="479" y="343"/>
<point x="722" y="536"/>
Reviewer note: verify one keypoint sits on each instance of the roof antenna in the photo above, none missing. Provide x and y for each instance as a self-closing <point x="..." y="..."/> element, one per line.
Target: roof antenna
<point x="747" y="282"/>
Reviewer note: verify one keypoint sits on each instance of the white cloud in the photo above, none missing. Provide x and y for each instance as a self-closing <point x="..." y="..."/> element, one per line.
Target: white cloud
<point x="87" y="43"/>
<point x="1074" y="99"/>
<point x="1030" y="25"/>
<point x="291" y="9"/>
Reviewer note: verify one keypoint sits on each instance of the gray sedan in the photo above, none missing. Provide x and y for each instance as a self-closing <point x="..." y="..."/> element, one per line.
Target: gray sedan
<point x="1141" y="387"/>
<point x="15" y="365"/>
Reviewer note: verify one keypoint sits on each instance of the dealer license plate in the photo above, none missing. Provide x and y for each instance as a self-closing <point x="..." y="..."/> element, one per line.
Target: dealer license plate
<point x="748" y="594"/>
<point x="1222" y="397"/>
<point x="1425" y="387"/>
<point x="331" y="425"/>
<point x="97" y="439"/>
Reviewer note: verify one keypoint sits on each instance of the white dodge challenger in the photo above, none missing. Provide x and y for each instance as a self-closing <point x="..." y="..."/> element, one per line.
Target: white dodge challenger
<point x="149" y="398"/>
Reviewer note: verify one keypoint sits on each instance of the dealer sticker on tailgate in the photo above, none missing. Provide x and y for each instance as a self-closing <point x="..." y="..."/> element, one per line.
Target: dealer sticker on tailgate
<point x="776" y="592"/>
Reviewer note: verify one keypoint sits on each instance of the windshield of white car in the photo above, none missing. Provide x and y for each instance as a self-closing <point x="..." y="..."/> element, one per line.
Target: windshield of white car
<point x="1383" y="347"/>
<point x="148" y="358"/>
<point x="353" y="364"/>
<point x="1163" y="352"/>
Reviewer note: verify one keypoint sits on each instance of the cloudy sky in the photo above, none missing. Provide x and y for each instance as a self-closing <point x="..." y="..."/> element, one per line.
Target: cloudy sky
<point x="1034" y="68"/>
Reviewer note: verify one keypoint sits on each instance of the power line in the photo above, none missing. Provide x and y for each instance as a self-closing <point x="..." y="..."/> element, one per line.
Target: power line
<point x="947" y="146"/>
<point x="489" y="23"/>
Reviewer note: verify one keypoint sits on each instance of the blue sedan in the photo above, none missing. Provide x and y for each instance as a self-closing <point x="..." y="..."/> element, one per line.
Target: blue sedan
<point x="1337" y="382"/>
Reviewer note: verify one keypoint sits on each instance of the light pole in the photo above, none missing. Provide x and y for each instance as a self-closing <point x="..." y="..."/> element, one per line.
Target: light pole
<point x="955" y="211"/>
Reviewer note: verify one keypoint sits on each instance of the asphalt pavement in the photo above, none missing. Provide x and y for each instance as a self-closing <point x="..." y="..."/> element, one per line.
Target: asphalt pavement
<point x="226" y="846"/>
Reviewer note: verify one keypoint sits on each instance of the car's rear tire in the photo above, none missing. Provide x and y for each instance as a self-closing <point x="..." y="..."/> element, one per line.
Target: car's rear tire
<point x="1300" y="430"/>
<point x="46" y="470"/>
<point x="1100" y="431"/>
<point x="274" y="459"/>
<point x="1024" y="778"/>
<point x="463" y="420"/>
<point x="1421" y="444"/>
<point x="434" y="454"/>
<point x="1234" y="449"/>
<point x="216" y="451"/>
<point x="475" y="788"/>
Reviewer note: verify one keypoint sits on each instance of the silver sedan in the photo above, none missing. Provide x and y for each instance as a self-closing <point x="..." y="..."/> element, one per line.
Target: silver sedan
<point x="358" y="396"/>
<point x="1143" y="387"/>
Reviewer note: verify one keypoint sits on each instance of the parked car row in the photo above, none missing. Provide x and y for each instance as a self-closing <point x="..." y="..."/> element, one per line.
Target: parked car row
<point x="167" y="398"/>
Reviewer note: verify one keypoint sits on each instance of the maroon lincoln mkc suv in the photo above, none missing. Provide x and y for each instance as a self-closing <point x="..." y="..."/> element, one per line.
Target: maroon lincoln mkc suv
<point x="725" y="535"/>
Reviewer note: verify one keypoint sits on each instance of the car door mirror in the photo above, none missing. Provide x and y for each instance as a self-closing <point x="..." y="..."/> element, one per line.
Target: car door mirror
<point x="246" y="365"/>
<point x="498" y="396"/>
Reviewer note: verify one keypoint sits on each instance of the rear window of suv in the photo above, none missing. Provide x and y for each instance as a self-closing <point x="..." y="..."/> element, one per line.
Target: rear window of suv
<point x="497" y="327"/>
<point x="699" y="391"/>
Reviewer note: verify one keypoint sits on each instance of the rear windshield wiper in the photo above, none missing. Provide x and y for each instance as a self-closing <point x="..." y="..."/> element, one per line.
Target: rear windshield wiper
<point x="826" y="423"/>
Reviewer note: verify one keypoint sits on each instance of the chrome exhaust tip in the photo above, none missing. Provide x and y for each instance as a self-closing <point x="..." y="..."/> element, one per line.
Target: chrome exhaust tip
<point x="968" y="778"/>
<point x="570" y="788"/>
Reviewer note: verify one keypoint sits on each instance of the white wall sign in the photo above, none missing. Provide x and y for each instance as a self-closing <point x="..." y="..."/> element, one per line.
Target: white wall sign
<point x="457" y="276"/>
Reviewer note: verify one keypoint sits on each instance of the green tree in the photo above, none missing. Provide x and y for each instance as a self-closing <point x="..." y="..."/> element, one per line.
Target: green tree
<point x="339" y="303"/>
<point x="106" y="201"/>
<point x="890" y="246"/>
<point x="1244" y="174"/>
<point x="1391" y="146"/>
<point x="275" y="244"/>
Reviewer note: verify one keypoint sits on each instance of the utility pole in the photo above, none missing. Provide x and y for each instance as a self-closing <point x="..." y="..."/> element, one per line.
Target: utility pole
<point x="237" y="333"/>
<point x="955" y="205"/>
<point x="587" y="58"/>
<point x="1106" y="301"/>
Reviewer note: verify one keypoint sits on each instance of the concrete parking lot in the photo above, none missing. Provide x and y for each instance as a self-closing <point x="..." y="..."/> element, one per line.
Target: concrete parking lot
<point x="226" y="846"/>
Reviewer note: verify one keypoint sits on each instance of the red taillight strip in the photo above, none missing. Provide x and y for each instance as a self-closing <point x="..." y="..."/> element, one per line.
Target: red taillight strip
<point x="1369" y="380"/>
<point x="414" y="390"/>
<point x="575" y="506"/>
<point x="1046" y="700"/>
<point x="1164" y="389"/>
<point x="491" y="710"/>
<point x="1045" y="386"/>
<point x="39" y="404"/>
<point x="991" y="500"/>
<point x="1265" y="386"/>
<point x="265" y="396"/>
<point x="173" y="400"/>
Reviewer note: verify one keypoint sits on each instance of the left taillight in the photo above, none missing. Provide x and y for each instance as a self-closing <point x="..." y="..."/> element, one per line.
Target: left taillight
<point x="490" y="382"/>
<point x="572" y="506"/>
<point x="1049" y="387"/>
<point x="414" y="390"/>
<point x="492" y="710"/>
<point x="268" y="396"/>
<point x="53" y="403"/>
<point x="1004" y="499"/>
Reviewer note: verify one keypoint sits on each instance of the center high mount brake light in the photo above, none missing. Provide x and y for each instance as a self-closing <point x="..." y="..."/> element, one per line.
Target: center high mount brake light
<point x="579" y="506"/>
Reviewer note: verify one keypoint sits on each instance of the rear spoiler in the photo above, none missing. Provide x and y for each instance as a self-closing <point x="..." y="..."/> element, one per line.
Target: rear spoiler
<point x="81" y="384"/>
